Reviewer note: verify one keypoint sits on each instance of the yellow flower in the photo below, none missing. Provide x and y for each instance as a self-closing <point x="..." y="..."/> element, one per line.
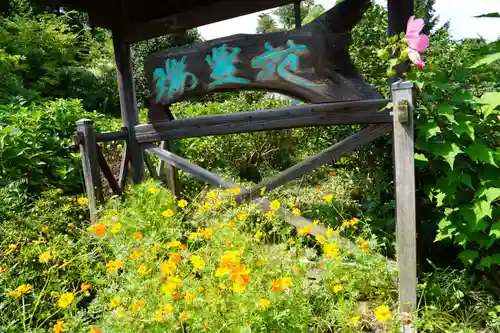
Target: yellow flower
<point x="328" y="198"/>
<point x="116" y="227"/>
<point x="182" y="203"/>
<point x="197" y="262"/>
<point x="242" y="216"/>
<point x="306" y="230"/>
<point x="114" y="265"/>
<point x="163" y="313"/>
<point x="114" y="302"/>
<point x="331" y="250"/>
<point x="183" y="316"/>
<point x="136" y="306"/>
<point x="354" y="221"/>
<point x="280" y="284"/>
<point x="235" y="190"/>
<point x="259" y="235"/>
<point x="136" y="254"/>
<point x="296" y="212"/>
<point x="212" y="195"/>
<point x="207" y="233"/>
<point x="331" y="233"/>
<point x="168" y="213"/>
<point x="44" y="257"/>
<point x="143" y="269"/>
<point x="291" y="205"/>
<point x="153" y="189"/>
<point x="189" y="297"/>
<point x="321" y="239"/>
<point x="315" y="222"/>
<point x="228" y="260"/>
<point x="59" y="326"/>
<point x="168" y="267"/>
<point x="275" y="205"/>
<point x="271" y="213"/>
<point x="174" y="243"/>
<point x="65" y="300"/>
<point x="383" y="313"/>
<point x="338" y="288"/>
<point x="354" y="320"/>
<point x="264" y="303"/>
<point x="83" y="201"/>
<point x="21" y="290"/>
<point x="171" y="286"/>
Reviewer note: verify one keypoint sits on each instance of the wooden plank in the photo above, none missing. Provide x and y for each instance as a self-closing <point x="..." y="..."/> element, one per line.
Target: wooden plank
<point x="298" y="19"/>
<point x="124" y="168"/>
<point x="311" y="63"/>
<point x="360" y="112"/>
<point x="90" y="165"/>
<point x="111" y="136"/>
<point x="128" y="104"/>
<point x="176" y="21"/>
<point x="151" y="167"/>
<point x="404" y="165"/>
<point x="325" y="156"/>
<point x="108" y="174"/>
<point x="213" y="179"/>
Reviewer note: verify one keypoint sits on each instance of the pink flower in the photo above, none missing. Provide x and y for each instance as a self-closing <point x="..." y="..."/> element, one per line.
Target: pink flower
<point x="416" y="41"/>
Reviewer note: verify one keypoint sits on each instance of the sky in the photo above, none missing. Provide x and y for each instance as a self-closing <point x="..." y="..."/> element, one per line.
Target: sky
<point x="460" y="13"/>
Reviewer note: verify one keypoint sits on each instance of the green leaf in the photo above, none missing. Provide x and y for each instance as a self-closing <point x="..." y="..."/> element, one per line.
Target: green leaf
<point x="440" y="198"/>
<point x="495" y="230"/>
<point x="447" y="111"/>
<point x="464" y="127"/>
<point x="491" y="98"/>
<point x="481" y="153"/>
<point x="421" y="157"/>
<point x="490" y="58"/>
<point x="447" y="151"/>
<point x="430" y="129"/>
<point x="491" y="260"/>
<point x="493" y="14"/>
<point x="490" y="193"/>
<point x="468" y="256"/>
<point x="481" y="209"/>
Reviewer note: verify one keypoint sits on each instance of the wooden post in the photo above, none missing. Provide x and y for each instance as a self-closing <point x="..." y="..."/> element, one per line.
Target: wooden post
<point x="298" y="19"/>
<point x="398" y="11"/>
<point x="90" y="162"/>
<point x="404" y="165"/>
<point x="128" y="104"/>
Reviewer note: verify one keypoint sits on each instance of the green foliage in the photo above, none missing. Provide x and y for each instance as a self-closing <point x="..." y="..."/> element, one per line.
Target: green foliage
<point x="44" y="56"/>
<point x="36" y="147"/>
<point x="285" y="16"/>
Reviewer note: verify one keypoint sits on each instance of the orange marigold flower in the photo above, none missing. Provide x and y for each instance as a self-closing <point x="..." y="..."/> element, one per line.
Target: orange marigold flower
<point x="96" y="330"/>
<point x="99" y="229"/>
<point x="59" y="326"/>
<point x="138" y="236"/>
<point x="204" y="325"/>
<point x="182" y="247"/>
<point x="85" y="287"/>
<point x="332" y="173"/>
<point x="136" y="254"/>
<point x="175" y="257"/>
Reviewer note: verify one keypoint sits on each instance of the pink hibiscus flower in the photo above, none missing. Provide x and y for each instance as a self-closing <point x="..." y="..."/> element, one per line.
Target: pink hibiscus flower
<point x="416" y="41"/>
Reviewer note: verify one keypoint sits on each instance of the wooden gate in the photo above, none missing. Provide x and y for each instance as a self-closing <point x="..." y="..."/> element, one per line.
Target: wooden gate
<point x="310" y="63"/>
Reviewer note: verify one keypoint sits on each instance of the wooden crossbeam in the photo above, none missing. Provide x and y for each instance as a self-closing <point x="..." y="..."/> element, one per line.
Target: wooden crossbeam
<point x="325" y="156"/>
<point x="336" y="113"/>
<point x="108" y="174"/>
<point x="213" y="179"/>
<point x="124" y="168"/>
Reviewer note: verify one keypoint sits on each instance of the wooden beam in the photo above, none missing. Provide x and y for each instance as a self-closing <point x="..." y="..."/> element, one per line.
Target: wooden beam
<point x="108" y="174"/>
<point x="325" y="156"/>
<point x="213" y="179"/>
<point x="404" y="165"/>
<point x="124" y="168"/>
<point x="151" y="167"/>
<point x="297" y="12"/>
<point x="128" y="103"/>
<point x="111" y="136"/>
<point x="340" y="113"/>
<point x="195" y="17"/>
<point x="399" y="11"/>
<point x="90" y="163"/>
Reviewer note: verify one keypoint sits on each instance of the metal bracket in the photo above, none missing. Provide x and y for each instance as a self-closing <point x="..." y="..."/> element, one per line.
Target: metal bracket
<point x="402" y="110"/>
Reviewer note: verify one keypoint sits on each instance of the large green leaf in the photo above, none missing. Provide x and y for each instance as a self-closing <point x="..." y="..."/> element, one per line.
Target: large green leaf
<point x="495" y="230"/>
<point x="481" y="153"/>
<point x="468" y="256"/>
<point x="490" y="58"/>
<point x="464" y="127"/>
<point x="429" y="128"/>
<point x="486" y="262"/>
<point x="447" y="111"/>
<point x="482" y="209"/>
<point x="448" y="151"/>
<point x="491" y="193"/>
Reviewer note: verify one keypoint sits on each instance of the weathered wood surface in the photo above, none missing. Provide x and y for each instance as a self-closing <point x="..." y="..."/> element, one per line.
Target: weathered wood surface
<point x="325" y="156"/>
<point x="404" y="165"/>
<point x="213" y="179"/>
<point x="128" y="103"/>
<point x="108" y="174"/>
<point x="124" y="168"/>
<point x="339" y="113"/>
<point x="90" y="163"/>
<point x="311" y="63"/>
<point x="151" y="167"/>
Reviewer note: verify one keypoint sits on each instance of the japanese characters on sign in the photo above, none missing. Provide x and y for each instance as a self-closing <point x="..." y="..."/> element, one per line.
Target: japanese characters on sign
<point x="282" y="61"/>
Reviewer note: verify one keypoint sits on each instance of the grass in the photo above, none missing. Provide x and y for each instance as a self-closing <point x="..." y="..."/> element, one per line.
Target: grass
<point x="155" y="264"/>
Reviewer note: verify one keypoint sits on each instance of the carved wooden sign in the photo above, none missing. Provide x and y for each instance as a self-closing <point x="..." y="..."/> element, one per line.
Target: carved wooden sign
<point x="311" y="63"/>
